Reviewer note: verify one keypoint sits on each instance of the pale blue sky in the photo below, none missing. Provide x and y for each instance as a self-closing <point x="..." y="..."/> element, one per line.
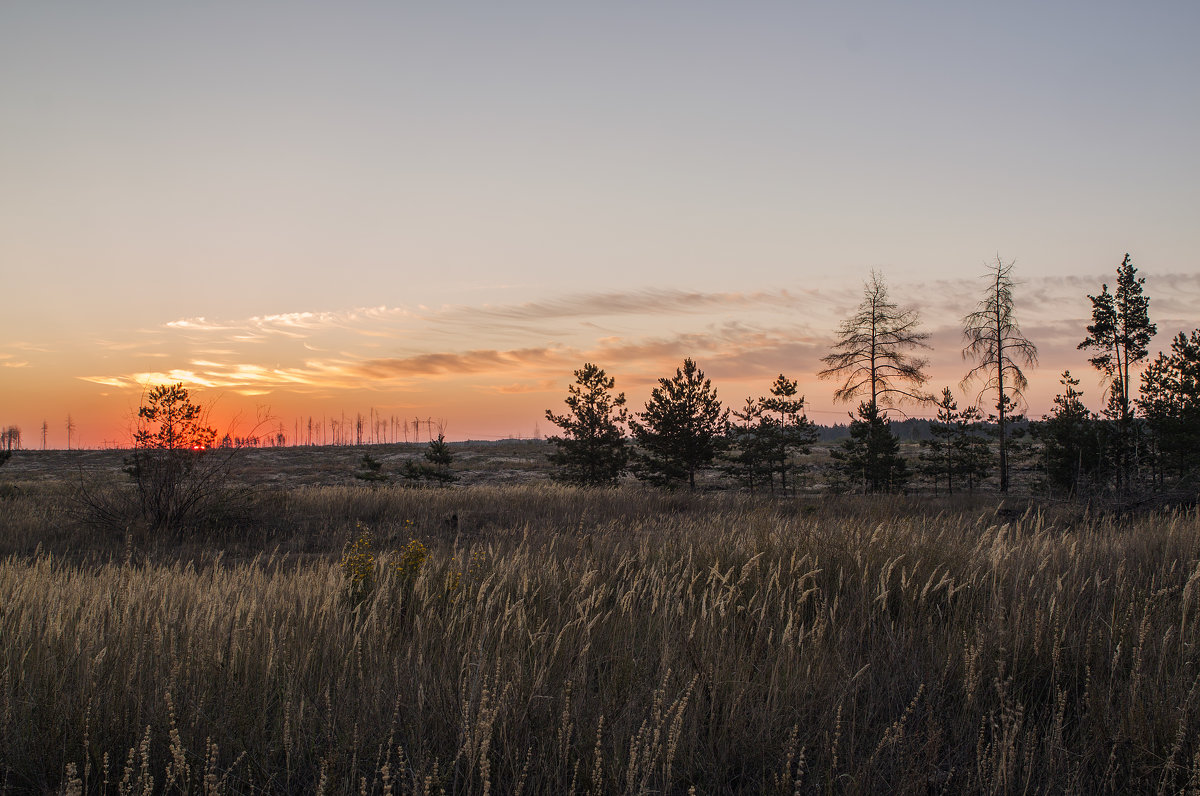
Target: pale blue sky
<point x="164" y="161"/>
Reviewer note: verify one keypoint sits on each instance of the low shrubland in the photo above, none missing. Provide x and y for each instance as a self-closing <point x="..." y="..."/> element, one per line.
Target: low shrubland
<point x="545" y="639"/>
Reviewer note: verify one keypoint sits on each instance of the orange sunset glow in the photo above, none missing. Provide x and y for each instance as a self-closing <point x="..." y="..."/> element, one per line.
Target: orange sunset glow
<point x="407" y="215"/>
<point x="267" y="373"/>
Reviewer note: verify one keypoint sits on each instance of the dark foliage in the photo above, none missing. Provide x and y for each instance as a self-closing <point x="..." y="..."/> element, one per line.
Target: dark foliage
<point x="370" y="470"/>
<point x="1170" y="404"/>
<point x="682" y="429"/>
<point x="592" y="449"/>
<point x="1120" y="333"/>
<point x="1074" y="443"/>
<point x="870" y="458"/>
<point x="766" y="436"/>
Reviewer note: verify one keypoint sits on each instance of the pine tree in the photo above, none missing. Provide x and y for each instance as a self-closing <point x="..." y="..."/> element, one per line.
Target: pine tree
<point x="440" y="457"/>
<point x="1170" y="403"/>
<point x="871" y="456"/>
<point x="766" y="435"/>
<point x="995" y="342"/>
<point x="370" y="470"/>
<point x="972" y="452"/>
<point x="938" y="458"/>
<point x="748" y="455"/>
<point x="592" y="449"/>
<point x="682" y="429"/>
<point x="787" y="429"/>
<point x="1120" y="332"/>
<point x="177" y="475"/>
<point x="1072" y="440"/>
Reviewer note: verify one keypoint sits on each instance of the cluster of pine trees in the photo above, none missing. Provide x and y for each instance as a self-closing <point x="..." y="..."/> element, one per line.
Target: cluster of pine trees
<point x="1147" y="438"/>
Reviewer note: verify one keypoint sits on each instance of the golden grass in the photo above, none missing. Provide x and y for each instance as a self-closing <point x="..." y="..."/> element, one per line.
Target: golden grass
<point x="563" y="641"/>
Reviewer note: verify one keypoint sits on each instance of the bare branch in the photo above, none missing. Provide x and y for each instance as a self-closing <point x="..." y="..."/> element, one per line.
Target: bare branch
<point x="872" y="356"/>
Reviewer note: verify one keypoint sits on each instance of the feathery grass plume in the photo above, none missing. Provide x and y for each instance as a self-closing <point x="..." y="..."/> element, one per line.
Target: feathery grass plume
<point x="709" y="641"/>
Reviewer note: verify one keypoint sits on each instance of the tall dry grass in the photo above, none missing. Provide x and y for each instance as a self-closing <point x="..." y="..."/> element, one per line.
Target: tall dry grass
<point x="657" y="644"/>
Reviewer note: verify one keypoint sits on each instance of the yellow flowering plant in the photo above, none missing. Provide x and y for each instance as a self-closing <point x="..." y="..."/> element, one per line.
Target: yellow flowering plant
<point x="358" y="566"/>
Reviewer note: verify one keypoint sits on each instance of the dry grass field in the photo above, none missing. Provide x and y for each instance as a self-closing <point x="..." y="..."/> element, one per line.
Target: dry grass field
<point x="543" y="639"/>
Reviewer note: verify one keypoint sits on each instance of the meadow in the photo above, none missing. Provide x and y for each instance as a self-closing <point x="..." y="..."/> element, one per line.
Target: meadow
<point x="546" y="639"/>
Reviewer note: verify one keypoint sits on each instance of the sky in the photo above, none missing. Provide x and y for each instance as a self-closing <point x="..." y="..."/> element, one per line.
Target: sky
<point x="443" y="209"/>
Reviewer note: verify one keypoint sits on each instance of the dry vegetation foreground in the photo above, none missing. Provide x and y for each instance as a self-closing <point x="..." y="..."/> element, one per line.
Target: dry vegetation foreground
<point x="625" y="641"/>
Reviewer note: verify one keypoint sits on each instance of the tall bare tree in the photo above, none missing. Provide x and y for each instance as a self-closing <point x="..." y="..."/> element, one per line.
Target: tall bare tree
<point x="872" y="354"/>
<point x="996" y="344"/>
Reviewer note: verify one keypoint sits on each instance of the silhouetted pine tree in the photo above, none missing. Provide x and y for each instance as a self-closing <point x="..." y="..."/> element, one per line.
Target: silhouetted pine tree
<point x="871" y="456"/>
<point x="1072" y="440"/>
<point x="592" y="449"/>
<point x="1170" y="404"/>
<point x="997" y="345"/>
<point x="748" y="459"/>
<point x="938" y="453"/>
<point x="1120" y="332"/>
<point x="682" y="429"/>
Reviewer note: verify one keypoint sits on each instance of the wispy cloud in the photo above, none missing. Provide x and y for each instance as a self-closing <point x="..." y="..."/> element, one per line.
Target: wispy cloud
<point x="456" y="364"/>
<point x="637" y="334"/>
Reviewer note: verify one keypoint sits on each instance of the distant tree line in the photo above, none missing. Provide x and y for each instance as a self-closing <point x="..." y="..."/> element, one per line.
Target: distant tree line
<point x="1144" y="439"/>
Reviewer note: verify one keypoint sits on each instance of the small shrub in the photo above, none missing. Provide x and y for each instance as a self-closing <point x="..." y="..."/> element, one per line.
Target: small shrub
<point x="370" y="470"/>
<point x="179" y="480"/>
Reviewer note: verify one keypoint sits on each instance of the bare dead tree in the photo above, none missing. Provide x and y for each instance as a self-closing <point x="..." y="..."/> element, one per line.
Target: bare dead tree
<point x="872" y="354"/>
<point x="996" y="344"/>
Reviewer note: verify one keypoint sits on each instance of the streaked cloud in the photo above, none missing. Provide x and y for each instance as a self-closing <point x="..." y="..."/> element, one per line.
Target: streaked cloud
<point x="638" y="336"/>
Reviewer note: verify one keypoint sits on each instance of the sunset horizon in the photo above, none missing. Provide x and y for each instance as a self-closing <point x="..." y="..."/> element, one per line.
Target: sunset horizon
<point x="269" y="374"/>
<point x="418" y="213"/>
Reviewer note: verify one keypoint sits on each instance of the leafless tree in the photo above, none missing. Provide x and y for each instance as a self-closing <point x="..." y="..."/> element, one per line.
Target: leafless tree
<point x="872" y="354"/>
<point x="996" y="344"/>
<point x="70" y="430"/>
